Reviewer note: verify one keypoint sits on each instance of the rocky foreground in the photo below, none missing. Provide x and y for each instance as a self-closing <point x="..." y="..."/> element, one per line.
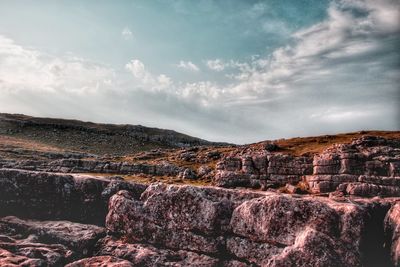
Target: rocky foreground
<point x="75" y="220"/>
<point x="259" y="205"/>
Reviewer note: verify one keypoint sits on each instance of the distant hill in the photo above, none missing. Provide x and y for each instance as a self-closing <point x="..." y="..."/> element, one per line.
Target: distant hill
<point x="93" y="137"/>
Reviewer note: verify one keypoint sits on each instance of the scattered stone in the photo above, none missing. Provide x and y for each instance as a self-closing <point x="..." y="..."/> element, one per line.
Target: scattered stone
<point x="187" y="174"/>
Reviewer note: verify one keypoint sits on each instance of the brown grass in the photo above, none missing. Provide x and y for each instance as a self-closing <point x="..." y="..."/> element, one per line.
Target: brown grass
<point x="316" y="144"/>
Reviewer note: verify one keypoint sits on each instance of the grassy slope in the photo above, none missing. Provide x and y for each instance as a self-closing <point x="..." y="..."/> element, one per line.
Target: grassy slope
<point x="316" y="144"/>
<point x="91" y="137"/>
<point x="56" y="135"/>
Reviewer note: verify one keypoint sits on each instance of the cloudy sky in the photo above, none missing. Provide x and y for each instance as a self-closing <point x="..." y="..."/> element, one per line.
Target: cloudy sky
<point x="236" y="71"/>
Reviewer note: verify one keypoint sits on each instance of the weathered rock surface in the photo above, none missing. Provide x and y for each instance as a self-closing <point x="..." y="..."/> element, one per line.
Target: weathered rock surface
<point x="265" y="229"/>
<point x="94" y="166"/>
<point x="147" y="255"/>
<point x="50" y="196"/>
<point x="78" y="237"/>
<point x="342" y="208"/>
<point x="368" y="166"/>
<point x="9" y="259"/>
<point x="181" y="217"/>
<point x="171" y="225"/>
<point x="45" y="243"/>
<point x="101" y="261"/>
<point x="261" y="169"/>
<point x="392" y="228"/>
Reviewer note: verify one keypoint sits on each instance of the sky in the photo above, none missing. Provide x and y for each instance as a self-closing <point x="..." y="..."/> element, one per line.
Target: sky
<point x="233" y="71"/>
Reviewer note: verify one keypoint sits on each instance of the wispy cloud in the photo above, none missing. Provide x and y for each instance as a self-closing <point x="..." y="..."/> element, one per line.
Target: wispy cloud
<point x="145" y="79"/>
<point x="188" y="65"/>
<point x="127" y="33"/>
<point x="216" y="64"/>
<point x="27" y="69"/>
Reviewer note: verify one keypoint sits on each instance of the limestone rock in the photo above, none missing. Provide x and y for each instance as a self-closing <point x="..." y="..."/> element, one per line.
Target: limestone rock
<point x="75" y="236"/>
<point x="148" y="256"/>
<point x="101" y="261"/>
<point x="392" y="228"/>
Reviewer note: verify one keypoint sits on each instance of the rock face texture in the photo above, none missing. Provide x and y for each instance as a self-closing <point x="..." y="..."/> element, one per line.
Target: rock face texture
<point x="337" y="208"/>
<point x="369" y="166"/>
<point x="49" y="196"/>
<point x="46" y="243"/>
<point x="392" y="227"/>
<point x="95" y="166"/>
<point x="266" y="229"/>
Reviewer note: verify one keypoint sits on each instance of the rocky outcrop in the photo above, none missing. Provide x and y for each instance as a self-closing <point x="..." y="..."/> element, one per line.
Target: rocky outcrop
<point x="94" y="166"/>
<point x="392" y="228"/>
<point x="139" y="254"/>
<point x="45" y="243"/>
<point x="61" y="217"/>
<point x="261" y="170"/>
<point x="368" y="166"/>
<point x="48" y="196"/>
<point x="265" y="229"/>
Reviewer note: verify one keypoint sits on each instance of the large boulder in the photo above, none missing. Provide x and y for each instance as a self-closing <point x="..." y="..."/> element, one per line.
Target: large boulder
<point x="180" y="217"/>
<point x="49" y="196"/>
<point x="277" y="219"/>
<point x="43" y="195"/>
<point x="265" y="229"/>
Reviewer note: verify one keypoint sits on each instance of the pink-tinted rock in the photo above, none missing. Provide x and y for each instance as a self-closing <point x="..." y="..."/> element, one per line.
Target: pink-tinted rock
<point x="183" y="217"/>
<point x="377" y="168"/>
<point x="311" y="248"/>
<point x="392" y="228"/>
<point x="340" y="163"/>
<point x="101" y="261"/>
<point x="77" y="237"/>
<point x="52" y="196"/>
<point x="234" y="263"/>
<point x="281" y="180"/>
<point x="254" y="252"/>
<point x="8" y="259"/>
<point x="277" y="219"/>
<point x="394" y="169"/>
<point x="145" y="255"/>
<point x="326" y="164"/>
<point x="49" y="196"/>
<point x="370" y="190"/>
<point x="26" y="247"/>
<point x="232" y="179"/>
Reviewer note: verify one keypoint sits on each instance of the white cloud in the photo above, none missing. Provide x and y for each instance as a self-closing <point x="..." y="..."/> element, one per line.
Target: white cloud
<point x="216" y="64"/>
<point x="340" y="115"/>
<point x="26" y="69"/>
<point x="127" y="34"/>
<point x="145" y="79"/>
<point x="138" y="70"/>
<point x="317" y="52"/>
<point x="164" y="81"/>
<point x="188" y="65"/>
